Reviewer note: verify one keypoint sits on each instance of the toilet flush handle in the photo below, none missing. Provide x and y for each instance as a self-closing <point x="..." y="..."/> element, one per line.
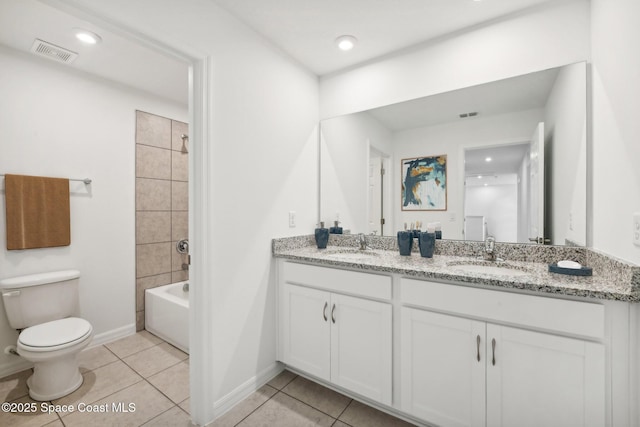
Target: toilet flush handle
<point x="11" y="294"/>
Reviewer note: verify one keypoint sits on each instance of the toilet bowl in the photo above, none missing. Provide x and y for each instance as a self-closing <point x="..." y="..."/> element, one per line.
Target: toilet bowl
<point x="53" y="347"/>
<point x="45" y="308"/>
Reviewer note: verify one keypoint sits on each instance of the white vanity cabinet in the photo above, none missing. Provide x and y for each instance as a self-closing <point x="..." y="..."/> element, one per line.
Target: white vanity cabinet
<point x="539" y="379"/>
<point x="476" y="357"/>
<point x="442" y="381"/>
<point x="335" y="325"/>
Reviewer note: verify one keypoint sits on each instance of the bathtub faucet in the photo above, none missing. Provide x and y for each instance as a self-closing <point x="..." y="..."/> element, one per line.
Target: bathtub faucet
<point x="182" y="246"/>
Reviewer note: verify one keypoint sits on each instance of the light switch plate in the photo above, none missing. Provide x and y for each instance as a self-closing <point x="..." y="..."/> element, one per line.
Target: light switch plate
<point x="636" y="228"/>
<point x="292" y="219"/>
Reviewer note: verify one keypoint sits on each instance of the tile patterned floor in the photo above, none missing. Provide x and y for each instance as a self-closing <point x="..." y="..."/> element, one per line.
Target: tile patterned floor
<point x="147" y="372"/>
<point x="289" y="400"/>
<point x="140" y="369"/>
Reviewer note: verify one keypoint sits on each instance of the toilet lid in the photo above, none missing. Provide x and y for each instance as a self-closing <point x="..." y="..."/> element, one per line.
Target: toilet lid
<point x="55" y="333"/>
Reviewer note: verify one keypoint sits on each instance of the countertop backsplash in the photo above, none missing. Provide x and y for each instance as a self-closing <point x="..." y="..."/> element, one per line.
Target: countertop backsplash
<point x="612" y="278"/>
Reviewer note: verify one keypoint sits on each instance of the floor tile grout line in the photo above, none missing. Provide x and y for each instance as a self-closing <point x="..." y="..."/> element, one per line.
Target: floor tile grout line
<point x="87" y="370"/>
<point x="340" y="421"/>
<point x="136" y="352"/>
<point x="104" y="397"/>
<point x="143" y="378"/>
<point x="257" y="407"/>
<point x="278" y="390"/>
<point x="313" y="407"/>
<point x="155" y="373"/>
<point x="164" y="394"/>
<point x="289" y="382"/>
<point x="317" y="409"/>
<point x="140" y="379"/>
<point x="160" y="414"/>
<point x="60" y="419"/>
<point x="159" y="372"/>
<point x="129" y="355"/>
<point x="343" y="411"/>
<point x="16" y="373"/>
<point x="180" y="406"/>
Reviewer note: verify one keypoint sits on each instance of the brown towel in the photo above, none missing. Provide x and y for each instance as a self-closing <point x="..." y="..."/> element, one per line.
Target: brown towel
<point x="38" y="214"/>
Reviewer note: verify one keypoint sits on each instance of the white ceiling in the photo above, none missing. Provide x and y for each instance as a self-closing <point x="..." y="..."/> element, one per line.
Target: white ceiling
<point x="520" y="93"/>
<point x="115" y="58"/>
<point x="305" y="29"/>
<point x="504" y="159"/>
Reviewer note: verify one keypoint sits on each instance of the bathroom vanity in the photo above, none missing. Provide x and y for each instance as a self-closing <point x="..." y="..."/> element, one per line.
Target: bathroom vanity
<point x="454" y="341"/>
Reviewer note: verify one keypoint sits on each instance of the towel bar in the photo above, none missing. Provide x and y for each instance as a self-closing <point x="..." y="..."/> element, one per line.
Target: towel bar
<point x="87" y="181"/>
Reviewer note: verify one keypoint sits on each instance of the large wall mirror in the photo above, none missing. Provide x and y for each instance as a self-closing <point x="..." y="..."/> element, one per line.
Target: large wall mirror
<point x="505" y="158"/>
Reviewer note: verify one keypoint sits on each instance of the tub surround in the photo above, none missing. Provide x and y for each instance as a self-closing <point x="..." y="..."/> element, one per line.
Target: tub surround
<point x="612" y="279"/>
<point x="161" y="204"/>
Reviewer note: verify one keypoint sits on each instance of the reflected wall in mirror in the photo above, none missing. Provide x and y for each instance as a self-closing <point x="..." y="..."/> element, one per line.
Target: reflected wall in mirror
<point x="361" y="155"/>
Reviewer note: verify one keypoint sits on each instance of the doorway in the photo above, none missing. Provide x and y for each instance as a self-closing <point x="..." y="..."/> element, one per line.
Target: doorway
<point x="379" y="218"/>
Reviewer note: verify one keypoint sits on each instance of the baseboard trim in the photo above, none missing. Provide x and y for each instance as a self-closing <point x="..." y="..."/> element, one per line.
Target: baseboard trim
<point x="112" y="335"/>
<point x="245" y="389"/>
<point x="15" y="366"/>
<point x="18" y="364"/>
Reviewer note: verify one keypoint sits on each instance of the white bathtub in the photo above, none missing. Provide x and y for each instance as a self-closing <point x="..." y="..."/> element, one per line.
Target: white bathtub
<point x="166" y="314"/>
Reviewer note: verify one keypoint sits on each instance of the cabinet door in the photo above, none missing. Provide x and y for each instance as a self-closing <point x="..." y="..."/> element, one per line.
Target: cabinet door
<point x="443" y="368"/>
<point x="361" y="346"/>
<point x="539" y="379"/>
<point x="306" y="340"/>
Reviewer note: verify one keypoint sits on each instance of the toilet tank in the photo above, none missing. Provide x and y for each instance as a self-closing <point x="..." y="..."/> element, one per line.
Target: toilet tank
<point x="38" y="298"/>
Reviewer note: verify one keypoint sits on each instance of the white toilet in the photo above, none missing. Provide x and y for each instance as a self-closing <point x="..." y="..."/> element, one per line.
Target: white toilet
<point x="44" y="306"/>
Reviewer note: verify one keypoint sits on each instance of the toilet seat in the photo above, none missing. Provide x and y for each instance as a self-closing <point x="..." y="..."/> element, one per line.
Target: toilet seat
<point x="55" y="335"/>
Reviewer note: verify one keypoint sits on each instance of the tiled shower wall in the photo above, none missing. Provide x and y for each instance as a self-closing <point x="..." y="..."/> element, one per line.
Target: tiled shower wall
<point x="162" y="192"/>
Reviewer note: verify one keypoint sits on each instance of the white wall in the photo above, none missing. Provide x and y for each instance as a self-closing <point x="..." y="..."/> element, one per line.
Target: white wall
<point x="498" y="203"/>
<point x="451" y="139"/>
<point x="616" y="128"/>
<point x="345" y="167"/>
<point x="60" y="122"/>
<point x="524" y="173"/>
<point x="549" y="36"/>
<point x="262" y="164"/>
<point x="565" y="124"/>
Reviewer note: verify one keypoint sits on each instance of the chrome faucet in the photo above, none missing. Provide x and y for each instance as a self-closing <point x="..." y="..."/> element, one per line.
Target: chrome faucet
<point x="363" y="241"/>
<point x="490" y="248"/>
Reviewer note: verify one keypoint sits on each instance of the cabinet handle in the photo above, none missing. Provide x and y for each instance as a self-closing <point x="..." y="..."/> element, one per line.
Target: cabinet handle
<point x="324" y="311"/>
<point x="478" y="345"/>
<point x="333" y="318"/>
<point x="493" y="350"/>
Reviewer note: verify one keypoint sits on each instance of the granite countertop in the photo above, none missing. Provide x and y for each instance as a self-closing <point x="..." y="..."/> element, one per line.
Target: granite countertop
<point x="529" y="276"/>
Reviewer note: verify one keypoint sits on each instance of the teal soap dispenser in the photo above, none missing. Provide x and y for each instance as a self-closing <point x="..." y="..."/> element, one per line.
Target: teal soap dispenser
<point x="336" y="229"/>
<point x="322" y="236"/>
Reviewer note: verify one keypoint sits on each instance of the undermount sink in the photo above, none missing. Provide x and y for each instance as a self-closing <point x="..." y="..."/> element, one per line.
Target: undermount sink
<point x="350" y="254"/>
<point x="495" y="269"/>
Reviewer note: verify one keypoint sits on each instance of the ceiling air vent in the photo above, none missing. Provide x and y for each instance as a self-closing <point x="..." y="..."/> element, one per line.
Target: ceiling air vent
<point x="52" y="51"/>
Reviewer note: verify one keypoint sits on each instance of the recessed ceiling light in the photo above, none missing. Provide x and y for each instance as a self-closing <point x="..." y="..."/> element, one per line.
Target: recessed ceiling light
<point x="87" y="37"/>
<point x="346" y="42"/>
<point x="479" y="176"/>
<point x="488" y="159"/>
